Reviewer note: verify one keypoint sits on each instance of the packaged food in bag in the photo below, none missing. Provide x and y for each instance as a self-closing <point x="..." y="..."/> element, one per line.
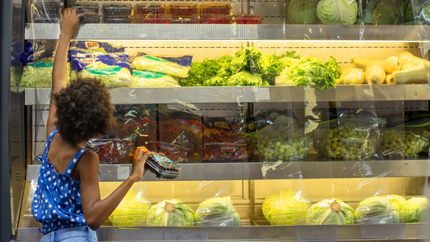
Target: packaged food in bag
<point x="376" y="210"/>
<point x="217" y="211"/>
<point x="174" y="66"/>
<point x="132" y="211"/>
<point x="171" y="212"/>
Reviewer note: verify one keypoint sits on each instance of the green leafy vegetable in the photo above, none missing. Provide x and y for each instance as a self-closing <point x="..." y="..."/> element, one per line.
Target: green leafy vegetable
<point x="217" y="211"/>
<point x="337" y="11"/>
<point x="312" y="72"/>
<point x="414" y="210"/>
<point x="302" y="11"/>
<point x="170" y="213"/>
<point x="397" y="201"/>
<point x="285" y="208"/>
<point x="39" y="74"/>
<point x="385" y="13"/>
<point x="376" y="210"/>
<point x="330" y="211"/>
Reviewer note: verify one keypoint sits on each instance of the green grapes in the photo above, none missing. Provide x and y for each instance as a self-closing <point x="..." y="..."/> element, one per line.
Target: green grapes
<point x="274" y="148"/>
<point x="408" y="144"/>
<point x="346" y="142"/>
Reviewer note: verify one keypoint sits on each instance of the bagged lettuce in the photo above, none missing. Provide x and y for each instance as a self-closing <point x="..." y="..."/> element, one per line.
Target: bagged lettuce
<point x="174" y="66"/>
<point x="170" y="213"/>
<point x="397" y="201"/>
<point x="414" y="210"/>
<point x="131" y="211"/>
<point x="38" y="61"/>
<point x="217" y="211"/>
<point x="153" y="79"/>
<point x="376" y="210"/>
<point x="285" y="208"/>
<point x="330" y="212"/>
<point x="102" y="61"/>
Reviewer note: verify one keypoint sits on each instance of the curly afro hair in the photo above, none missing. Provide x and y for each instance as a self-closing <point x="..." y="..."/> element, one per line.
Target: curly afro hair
<point x="84" y="110"/>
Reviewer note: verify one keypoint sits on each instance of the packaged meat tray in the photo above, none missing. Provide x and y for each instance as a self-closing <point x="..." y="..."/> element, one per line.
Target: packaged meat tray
<point x="89" y="10"/>
<point x="149" y="8"/>
<point x="47" y="9"/>
<point x="117" y="9"/>
<point x="215" y="19"/>
<point x="215" y="8"/>
<point x="246" y="19"/>
<point x="155" y="19"/>
<point x="183" y="9"/>
<point x="116" y="20"/>
<point x="188" y="20"/>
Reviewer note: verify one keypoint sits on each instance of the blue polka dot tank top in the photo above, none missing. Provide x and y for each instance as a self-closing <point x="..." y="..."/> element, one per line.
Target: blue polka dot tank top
<point x="57" y="199"/>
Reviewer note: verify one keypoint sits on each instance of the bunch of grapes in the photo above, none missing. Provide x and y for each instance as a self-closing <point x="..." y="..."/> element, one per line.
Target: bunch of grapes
<point x="274" y="147"/>
<point x="406" y="143"/>
<point x="346" y="142"/>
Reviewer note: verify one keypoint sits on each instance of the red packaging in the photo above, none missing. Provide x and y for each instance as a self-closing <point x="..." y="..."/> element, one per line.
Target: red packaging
<point x="158" y="19"/>
<point x="111" y="150"/>
<point x="183" y="9"/>
<point x="187" y="20"/>
<point x="246" y="19"/>
<point x="215" y="19"/>
<point x="215" y="8"/>
<point x="149" y="8"/>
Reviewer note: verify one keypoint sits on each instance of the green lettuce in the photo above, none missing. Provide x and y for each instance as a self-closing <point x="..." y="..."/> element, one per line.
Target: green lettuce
<point x="414" y="210"/>
<point x="397" y="201"/>
<point x="285" y="208"/>
<point x="170" y="213"/>
<point x="310" y="71"/>
<point x="331" y="212"/>
<point x="217" y="211"/>
<point x="302" y="11"/>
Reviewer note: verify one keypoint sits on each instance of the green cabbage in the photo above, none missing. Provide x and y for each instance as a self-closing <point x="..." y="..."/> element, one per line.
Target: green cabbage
<point x="154" y="64"/>
<point x="337" y="11"/>
<point x="376" y="210"/>
<point x="170" y="213"/>
<point x="285" y="208"/>
<point x="131" y="211"/>
<point x="217" y="211"/>
<point x="302" y="11"/>
<point x="414" y="210"/>
<point x="330" y="211"/>
<point x="397" y="201"/>
<point x="385" y="13"/>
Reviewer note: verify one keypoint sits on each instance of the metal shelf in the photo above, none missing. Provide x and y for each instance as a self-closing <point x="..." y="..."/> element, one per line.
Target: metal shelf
<point x="41" y="96"/>
<point x="287" y="170"/>
<point x="232" y="32"/>
<point x="371" y="232"/>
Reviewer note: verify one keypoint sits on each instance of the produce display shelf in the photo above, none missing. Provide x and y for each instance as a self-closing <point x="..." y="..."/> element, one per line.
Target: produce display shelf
<point x="370" y="232"/>
<point x="285" y="170"/>
<point x="40" y="96"/>
<point x="232" y="32"/>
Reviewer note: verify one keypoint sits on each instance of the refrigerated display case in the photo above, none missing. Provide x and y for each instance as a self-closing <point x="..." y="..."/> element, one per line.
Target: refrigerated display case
<point x="251" y="174"/>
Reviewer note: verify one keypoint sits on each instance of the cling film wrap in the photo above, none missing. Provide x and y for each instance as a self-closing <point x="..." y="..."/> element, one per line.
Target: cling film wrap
<point x="174" y="66"/>
<point x="113" y="149"/>
<point x="354" y="137"/>
<point x="153" y="79"/>
<point x="101" y="61"/>
<point x="172" y="212"/>
<point x="224" y="140"/>
<point x="217" y="211"/>
<point x="132" y="210"/>
<point x="38" y="61"/>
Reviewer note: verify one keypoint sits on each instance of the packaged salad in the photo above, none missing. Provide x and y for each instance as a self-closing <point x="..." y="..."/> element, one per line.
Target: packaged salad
<point x="174" y="66"/>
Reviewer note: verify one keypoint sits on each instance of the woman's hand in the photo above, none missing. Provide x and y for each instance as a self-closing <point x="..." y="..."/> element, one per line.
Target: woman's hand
<point x="69" y="22"/>
<point x="138" y="165"/>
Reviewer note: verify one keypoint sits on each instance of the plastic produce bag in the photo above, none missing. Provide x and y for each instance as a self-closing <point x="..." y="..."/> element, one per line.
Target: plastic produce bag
<point x="132" y="210"/>
<point x="376" y="210"/>
<point x="285" y="208"/>
<point x="330" y="212"/>
<point x="170" y="213"/>
<point x="217" y="211"/>
<point x="102" y="61"/>
<point x="353" y="137"/>
<point x="153" y="79"/>
<point x="38" y="61"/>
<point x="278" y="137"/>
<point x="174" y="66"/>
<point x="224" y="140"/>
